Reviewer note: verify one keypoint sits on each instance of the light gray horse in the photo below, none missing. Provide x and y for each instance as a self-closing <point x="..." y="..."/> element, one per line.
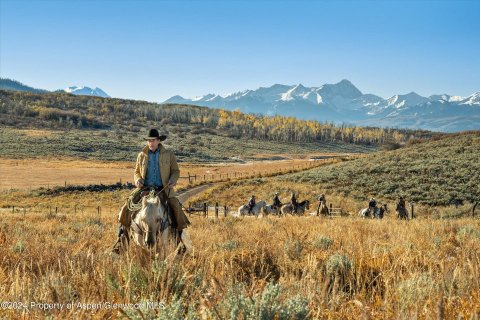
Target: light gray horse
<point x="243" y="210"/>
<point x="151" y="228"/>
<point x="301" y="208"/>
<point x="375" y="213"/>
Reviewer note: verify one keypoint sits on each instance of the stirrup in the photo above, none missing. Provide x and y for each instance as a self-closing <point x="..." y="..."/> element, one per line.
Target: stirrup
<point x="117" y="246"/>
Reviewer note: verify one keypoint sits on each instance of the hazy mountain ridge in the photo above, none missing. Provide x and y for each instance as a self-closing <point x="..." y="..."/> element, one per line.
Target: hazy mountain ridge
<point x="9" y="84"/>
<point x="343" y="102"/>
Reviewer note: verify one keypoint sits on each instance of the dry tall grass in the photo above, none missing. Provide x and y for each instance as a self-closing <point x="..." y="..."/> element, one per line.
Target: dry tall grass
<point x="292" y="267"/>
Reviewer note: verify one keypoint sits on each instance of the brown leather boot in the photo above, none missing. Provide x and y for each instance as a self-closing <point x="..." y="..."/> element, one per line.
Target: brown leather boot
<point x="182" y="248"/>
<point x="117" y="246"/>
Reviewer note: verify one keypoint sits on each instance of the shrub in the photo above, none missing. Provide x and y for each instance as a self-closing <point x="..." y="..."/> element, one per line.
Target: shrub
<point x="322" y="242"/>
<point x="293" y="248"/>
<point x="415" y="291"/>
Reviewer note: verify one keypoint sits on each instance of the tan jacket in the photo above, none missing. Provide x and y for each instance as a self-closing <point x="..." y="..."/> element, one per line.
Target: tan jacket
<point x="169" y="171"/>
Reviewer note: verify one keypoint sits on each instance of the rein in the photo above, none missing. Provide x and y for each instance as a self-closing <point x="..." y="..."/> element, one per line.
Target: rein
<point x="138" y="206"/>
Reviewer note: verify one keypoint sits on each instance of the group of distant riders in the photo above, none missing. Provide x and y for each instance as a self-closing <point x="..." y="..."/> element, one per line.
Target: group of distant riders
<point x="277" y="204"/>
<point x="322" y="203"/>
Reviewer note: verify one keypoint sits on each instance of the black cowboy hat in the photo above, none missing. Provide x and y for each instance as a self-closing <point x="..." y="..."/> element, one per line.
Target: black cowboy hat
<point x="153" y="133"/>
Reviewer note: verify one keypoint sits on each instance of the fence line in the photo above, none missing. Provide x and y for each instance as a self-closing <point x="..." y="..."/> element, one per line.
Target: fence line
<point x="52" y="211"/>
<point x="215" y="177"/>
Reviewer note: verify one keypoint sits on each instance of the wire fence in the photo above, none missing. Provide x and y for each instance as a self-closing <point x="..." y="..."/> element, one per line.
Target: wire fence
<point x="192" y="178"/>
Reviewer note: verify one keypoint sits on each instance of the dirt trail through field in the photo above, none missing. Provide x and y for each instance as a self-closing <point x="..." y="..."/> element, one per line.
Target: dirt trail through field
<point x="187" y="194"/>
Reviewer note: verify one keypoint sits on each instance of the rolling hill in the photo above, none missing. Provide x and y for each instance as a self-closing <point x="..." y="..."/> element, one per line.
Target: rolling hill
<point x="108" y="128"/>
<point x="444" y="171"/>
<point x="9" y="84"/>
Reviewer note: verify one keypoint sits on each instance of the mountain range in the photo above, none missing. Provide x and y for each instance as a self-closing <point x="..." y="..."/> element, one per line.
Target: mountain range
<point x="86" y="91"/>
<point x="9" y="84"/>
<point x="339" y="103"/>
<point x="342" y="102"/>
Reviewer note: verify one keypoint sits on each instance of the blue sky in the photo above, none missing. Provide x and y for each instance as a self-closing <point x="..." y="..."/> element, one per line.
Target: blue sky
<point x="152" y="50"/>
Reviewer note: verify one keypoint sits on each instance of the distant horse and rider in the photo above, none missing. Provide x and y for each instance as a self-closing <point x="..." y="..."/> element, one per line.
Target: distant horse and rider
<point x="276" y="208"/>
<point x="373" y="211"/>
<point x="401" y="209"/>
<point x="295" y="207"/>
<point x="322" y="208"/>
<point x="378" y="212"/>
<point x="252" y="208"/>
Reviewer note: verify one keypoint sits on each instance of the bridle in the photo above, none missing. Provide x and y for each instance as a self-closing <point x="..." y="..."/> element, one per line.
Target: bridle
<point x="164" y="224"/>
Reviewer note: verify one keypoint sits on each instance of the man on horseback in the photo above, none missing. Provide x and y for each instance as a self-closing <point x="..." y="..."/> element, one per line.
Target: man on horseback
<point x="276" y="202"/>
<point x="401" y="203"/>
<point x="372" y="204"/>
<point x="322" y="202"/>
<point x="251" y="204"/>
<point x="401" y="208"/>
<point x="294" y="202"/>
<point x="156" y="169"/>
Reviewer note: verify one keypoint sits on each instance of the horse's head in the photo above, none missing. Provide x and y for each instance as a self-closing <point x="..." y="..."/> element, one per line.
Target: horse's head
<point x="149" y="219"/>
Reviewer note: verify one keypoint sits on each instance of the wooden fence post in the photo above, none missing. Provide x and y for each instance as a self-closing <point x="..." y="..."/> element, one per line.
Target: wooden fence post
<point x="473" y="209"/>
<point x="225" y="209"/>
<point x="205" y="209"/>
<point x="99" y="213"/>
<point x="56" y="210"/>
<point x="13" y="209"/>
<point x="216" y="209"/>
<point x="413" y="215"/>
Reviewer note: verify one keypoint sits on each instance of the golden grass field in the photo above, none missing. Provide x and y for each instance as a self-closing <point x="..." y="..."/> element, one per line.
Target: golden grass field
<point x="240" y="268"/>
<point x="342" y="268"/>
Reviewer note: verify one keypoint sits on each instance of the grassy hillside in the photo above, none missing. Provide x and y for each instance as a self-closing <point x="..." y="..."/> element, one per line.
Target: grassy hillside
<point x="190" y="143"/>
<point x="106" y="128"/>
<point x="442" y="172"/>
<point x="9" y="84"/>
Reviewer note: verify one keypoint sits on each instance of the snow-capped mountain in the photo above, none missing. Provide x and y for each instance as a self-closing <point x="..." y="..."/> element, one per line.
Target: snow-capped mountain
<point x="474" y="99"/>
<point x="342" y="102"/>
<point x="86" y="91"/>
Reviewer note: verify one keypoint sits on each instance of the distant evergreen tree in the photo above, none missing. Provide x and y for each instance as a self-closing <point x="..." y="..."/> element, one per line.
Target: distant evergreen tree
<point x="9" y="84"/>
